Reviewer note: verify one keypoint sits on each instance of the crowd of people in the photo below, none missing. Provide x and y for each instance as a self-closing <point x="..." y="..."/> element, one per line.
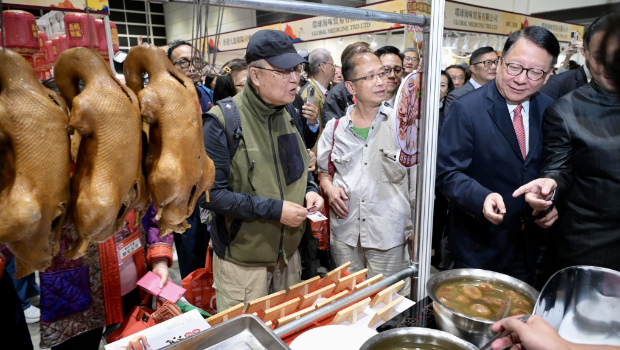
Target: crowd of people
<point x="526" y="185"/>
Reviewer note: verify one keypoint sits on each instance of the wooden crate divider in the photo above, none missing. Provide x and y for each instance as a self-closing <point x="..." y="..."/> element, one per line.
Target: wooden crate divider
<point x="350" y="281"/>
<point x="302" y="288"/>
<point x="385" y="296"/>
<point x="386" y="312"/>
<point x="350" y="313"/>
<point x="225" y="315"/>
<point x="368" y="282"/>
<point x="334" y="275"/>
<point x="310" y="298"/>
<point x="265" y="302"/>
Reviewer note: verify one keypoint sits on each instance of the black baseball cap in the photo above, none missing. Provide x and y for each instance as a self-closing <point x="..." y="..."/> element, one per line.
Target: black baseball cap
<point x="275" y="47"/>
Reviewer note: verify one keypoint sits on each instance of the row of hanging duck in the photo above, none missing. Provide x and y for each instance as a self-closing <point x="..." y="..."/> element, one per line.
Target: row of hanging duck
<point x="100" y="128"/>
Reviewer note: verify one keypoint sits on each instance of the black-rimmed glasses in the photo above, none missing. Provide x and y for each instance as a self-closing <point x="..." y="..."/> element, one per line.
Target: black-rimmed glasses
<point x="487" y="63"/>
<point x="534" y="74"/>
<point x="184" y="63"/>
<point x="397" y="70"/>
<point x="371" y="77"/>
<point x="299" y="69"/>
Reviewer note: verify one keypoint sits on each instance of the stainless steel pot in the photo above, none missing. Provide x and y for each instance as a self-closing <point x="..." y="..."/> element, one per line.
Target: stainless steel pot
<point x="473" y="330"/>
<point x="415" y="337"/>
<point x="582" y="303"/>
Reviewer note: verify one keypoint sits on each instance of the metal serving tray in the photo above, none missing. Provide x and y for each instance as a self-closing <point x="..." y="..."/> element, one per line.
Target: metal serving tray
<point x="244" y="332"/>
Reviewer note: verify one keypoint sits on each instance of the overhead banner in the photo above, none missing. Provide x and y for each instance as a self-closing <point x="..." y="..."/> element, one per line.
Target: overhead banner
<point x="483" y="20"/>
<point x="313" y="28"/>
<point x="95" y="6"/>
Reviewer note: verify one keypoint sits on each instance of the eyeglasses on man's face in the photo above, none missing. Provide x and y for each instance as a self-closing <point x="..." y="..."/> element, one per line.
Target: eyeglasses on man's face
<point x="457" y="78"/>
<point x="371" y="77"/>
<point x="397" y="70"/>
<point x="299" y="69"/>
<point x="411" y="58"/>
<point x="516" y="69"/>
<point x="487" y="63"/>
<point x="184" y="63"/>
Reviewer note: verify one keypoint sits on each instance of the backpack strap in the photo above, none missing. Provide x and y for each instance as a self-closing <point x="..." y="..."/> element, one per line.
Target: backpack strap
<point x="232" y="123"/>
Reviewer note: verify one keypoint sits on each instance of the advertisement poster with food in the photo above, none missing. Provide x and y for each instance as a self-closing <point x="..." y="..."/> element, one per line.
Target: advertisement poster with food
<point x="407" y="120"/>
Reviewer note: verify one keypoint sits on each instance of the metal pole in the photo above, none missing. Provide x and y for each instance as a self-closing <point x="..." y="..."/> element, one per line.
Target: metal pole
<point x="429" y="122"/>
<point x="90" y="30"/>
<point x="313" y="9"/>
<point x="108" y="35"/>
<point x="339" y="304"/>
<point x="2" y="27"/>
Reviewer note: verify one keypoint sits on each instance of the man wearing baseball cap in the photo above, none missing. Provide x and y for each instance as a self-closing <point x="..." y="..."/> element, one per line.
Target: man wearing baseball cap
<point x="262" y="192"/>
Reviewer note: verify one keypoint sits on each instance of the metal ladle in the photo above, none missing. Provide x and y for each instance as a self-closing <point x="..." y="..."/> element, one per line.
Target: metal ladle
<point x="503" y="333"/>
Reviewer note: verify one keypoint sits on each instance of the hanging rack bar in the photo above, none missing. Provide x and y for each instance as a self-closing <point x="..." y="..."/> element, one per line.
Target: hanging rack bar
<point x="313" y="9"/>
<point x="339" y="304"/>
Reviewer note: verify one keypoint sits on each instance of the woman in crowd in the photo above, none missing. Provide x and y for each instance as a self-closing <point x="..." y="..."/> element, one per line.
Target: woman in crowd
<point x="231" y="79"/>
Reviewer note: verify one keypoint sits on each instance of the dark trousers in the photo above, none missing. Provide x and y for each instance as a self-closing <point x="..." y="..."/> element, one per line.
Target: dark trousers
<point x="26" y="287"/>
<point x="516" y="267"/>
<point x="13" y="327"/>
<point x="192" y="245"/>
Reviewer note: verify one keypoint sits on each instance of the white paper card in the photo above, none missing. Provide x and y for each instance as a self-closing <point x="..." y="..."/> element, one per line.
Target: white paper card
<point x="165" y="333"/>
<point x="316" y="216"/>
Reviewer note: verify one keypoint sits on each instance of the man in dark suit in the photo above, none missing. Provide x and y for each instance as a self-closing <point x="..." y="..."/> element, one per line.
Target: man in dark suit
<point x="581" y="167"/>
<point x="483" y="68"/>
<point x="563" y="83"/>
<point x="491" y="142"/>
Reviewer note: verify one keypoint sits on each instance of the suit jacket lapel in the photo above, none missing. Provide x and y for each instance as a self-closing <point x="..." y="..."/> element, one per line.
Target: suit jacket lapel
<point x="500" y="115"/>
<point x="535" y="115"/>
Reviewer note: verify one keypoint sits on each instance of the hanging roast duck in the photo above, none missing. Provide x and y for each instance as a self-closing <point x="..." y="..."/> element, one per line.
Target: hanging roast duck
<point x="34" y="165"/>
<point x="106" y="147"/>
<point x="177" y="167"/>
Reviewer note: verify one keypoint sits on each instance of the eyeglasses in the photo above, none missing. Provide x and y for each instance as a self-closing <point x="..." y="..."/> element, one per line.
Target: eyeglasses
<point x="487" y="63"/>
<point x="411" y="58"/>
<point x="371" y="77"/>
<point x="184" y="63"/>
<point x="396" y="69"/>
<point x="457" y="78"/>
<point x="299" y="69"/>
<point x="534" y="74"/>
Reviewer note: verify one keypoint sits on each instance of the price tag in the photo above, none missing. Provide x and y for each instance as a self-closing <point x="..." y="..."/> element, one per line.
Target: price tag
<point x="128" y="246"/>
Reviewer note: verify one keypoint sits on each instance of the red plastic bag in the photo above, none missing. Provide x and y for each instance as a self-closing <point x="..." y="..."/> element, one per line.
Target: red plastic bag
<point x="199" y="286"/>
<point x="137" y="320"/>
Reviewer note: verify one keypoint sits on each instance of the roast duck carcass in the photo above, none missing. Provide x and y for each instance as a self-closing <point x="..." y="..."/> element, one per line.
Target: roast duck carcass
<point x="34" y="165"/>
<point x="177" y="167"/>
<point x="106" y="146"/>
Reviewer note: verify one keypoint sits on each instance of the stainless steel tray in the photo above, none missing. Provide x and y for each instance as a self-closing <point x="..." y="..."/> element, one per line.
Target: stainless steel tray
<point x="240" y="333"/>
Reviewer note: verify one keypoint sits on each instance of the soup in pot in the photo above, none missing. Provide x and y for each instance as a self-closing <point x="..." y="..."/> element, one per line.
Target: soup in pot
<point x="482" y="300"/>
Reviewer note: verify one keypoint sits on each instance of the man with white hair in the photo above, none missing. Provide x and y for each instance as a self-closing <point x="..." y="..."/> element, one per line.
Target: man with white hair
<point x="322" y="71"/>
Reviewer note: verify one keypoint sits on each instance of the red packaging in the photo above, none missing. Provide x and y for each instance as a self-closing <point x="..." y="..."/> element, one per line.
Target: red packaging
<point x="22" y="33"/>
<point x="77" y="30"/>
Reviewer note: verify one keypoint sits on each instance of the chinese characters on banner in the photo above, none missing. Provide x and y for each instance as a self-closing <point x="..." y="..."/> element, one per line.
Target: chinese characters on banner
<point x="475" y="19"/>
<point x="313" y="28"/>
<point x="413" y="34"/>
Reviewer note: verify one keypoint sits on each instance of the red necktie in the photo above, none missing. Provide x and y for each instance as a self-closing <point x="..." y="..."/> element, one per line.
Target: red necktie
<point x="517" y="123"/>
